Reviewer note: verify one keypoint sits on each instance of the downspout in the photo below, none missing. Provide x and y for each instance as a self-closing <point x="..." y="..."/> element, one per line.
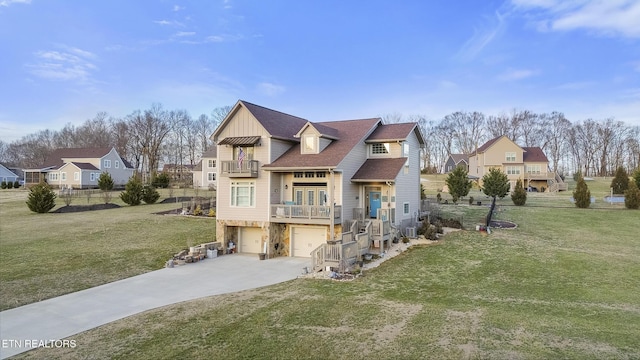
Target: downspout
<point x="332" y="216"/>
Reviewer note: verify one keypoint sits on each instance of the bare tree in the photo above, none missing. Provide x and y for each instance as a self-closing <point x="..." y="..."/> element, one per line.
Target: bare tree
<point x="559" y="128"/>
<point x="467" y="130"/>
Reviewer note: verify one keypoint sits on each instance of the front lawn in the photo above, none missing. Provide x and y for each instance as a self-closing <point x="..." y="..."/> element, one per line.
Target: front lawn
<point x="563" y="285"/>
<point x="47" y="255"/>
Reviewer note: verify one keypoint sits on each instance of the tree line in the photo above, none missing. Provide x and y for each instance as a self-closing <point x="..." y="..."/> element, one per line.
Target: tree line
<point x="145" y="138"/>
<point x="595" y="147"/>
<point x="148" y="137"/>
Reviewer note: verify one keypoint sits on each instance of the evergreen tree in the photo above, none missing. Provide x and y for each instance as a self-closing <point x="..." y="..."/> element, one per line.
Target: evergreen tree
<point x="105" y="183"/>
<point x="458" y="183"/>
<point x="632" y="196"/>
<point x="636" y="177"/>
<point x="133" y="191"/>
<point x="519" y="194"/>
<point x="41" y="198"/>
<point x="161" y="180"/>
<point x="620" y="182"/>
<point x="495" y="183"/>
<point x="582" y="195"/>
<point x="150" y="195"/>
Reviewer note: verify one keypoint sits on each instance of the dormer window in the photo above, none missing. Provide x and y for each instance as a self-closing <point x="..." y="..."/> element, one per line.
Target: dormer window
<point x="379" y="148"/>
<point x="310" y="144"/>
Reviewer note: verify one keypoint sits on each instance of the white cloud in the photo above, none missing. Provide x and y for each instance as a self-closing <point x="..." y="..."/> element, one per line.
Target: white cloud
<point x="67" y="65"/>
<point x="270" y="89"/>
<point x="184" y="33"/>
<point x="604" y="17"/>
<point x="169" y="23"/>
<point x="481" y="38"/>
<point x="517" y="74"/>
<point x="178" y="7"/>
<point x="9" y="2"/>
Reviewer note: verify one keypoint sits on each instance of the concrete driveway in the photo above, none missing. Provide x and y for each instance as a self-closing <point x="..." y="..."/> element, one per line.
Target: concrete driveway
<point x="61" y="317"/>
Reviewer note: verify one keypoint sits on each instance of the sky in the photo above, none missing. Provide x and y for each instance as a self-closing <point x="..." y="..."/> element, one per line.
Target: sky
<point x="63" y="61"/>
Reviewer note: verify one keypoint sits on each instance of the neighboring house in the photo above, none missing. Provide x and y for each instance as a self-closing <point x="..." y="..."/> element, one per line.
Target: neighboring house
<point x="7" y="175"/>
<point x="527" y="163"/>
<point x="80" y="168"/>
<point x="204" y="173"/>
<point x="288" y="186"/>
<point x="455" y="160"/>
<point x="179" y="173"/>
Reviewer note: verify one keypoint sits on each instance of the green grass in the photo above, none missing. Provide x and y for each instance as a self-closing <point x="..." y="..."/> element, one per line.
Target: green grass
<point x="563" y="285"/>
<point x="47" y="255"/>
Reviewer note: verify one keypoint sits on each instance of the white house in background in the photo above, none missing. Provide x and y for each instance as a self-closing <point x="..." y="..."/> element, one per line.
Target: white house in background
<point x="205" y="171"/>
<point x="291" y="187"/>
<point x="80" y="168"/>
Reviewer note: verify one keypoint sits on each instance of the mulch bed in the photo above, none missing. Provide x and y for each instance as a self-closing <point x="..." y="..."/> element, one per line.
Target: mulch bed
<point x="501" y="224"/>
<point x="79" y="208"/>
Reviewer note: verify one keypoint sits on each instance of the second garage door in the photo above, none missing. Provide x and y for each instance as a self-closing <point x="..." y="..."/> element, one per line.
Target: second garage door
<point x="250" y="240"/>
<point x="305" y="239"/>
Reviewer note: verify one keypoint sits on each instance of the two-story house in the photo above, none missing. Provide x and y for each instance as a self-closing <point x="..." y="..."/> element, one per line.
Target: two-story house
<point x="456" y="160"/>
<point x="204" y="173"/>
<point x="527" y="163"/>
<point x="288" y="186"/>
<point x="80" y="168"/>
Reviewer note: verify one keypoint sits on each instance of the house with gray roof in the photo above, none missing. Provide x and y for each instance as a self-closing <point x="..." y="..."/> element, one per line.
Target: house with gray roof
<point x="288" y="186"/>
<point x="7" y="175"/>
<point x="80" y="168"/>
<point x="456" y="160"/>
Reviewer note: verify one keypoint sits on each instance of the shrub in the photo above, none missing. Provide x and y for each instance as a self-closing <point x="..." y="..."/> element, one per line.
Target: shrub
<point x="620" y="182"/>
<point x="470" y="200"/>
<point x="577" y="175"/>
<point x="197" y="211"/>
<point x="212" y="213"/>
<point x="41" y="198"/>
<point x="429" y="231"/>
<point x="150" y="195"/>
<point x="10" y="185"/>
<point x="636" y="177"/>
<point x="632" y="196"/>
<point x="3" y="185"/>
<point x="439" y="198"/>
<point x="161" y="181"/>
<point x="132" y="194"/>
<point x="582" y="195"/>
<point x="519" y="195"/>
<point x="66" y="196"/>
<point x="105" y="183"/>
<point x="458" y="183"/>
<point x="16" y="184"/>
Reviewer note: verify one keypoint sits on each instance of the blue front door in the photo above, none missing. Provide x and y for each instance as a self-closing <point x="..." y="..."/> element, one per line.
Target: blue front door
<point x="374" y="203"/>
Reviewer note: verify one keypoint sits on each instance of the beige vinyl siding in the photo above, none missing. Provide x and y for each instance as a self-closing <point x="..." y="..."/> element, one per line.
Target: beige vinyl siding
<point x="495" y="154"/>
<point x="244" y="124"/>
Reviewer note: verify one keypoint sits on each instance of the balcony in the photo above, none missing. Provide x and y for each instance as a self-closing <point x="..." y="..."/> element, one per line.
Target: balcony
<point x="305" y="214"/>
<point x="235" y="169"/>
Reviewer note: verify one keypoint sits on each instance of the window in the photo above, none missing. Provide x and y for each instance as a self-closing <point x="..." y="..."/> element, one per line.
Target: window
<point x="53" y="176"/>
<point x="212" y="163"/>
<point x="243" y="193"/>
<point x="406" y="208"/>
<point x="211" y="176"/>
<point x="534" y="169"/>
<point x="309" y="174"/>
<point x="511" y="156"/>
<point x="63" y="176"/>
<point x="107" y="164"/>
<point x="513" y="170"/>
<point x="117" y="164"/>
<point x="243" y="154"/>
<point x="405" y="149"/>
<point x="309" y="144"/>
<point x="321" y="174"/>
<point x="76" y="176"/>
<point x="92" y="177"/>
<point x="379" y="148"/>
<point x="298" y="174"/>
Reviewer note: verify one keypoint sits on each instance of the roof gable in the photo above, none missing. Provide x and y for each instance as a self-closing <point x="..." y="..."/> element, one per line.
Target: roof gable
<point x="486" y="146"/>
<point x="57" y="158"/>
<point x="457" y="158"/>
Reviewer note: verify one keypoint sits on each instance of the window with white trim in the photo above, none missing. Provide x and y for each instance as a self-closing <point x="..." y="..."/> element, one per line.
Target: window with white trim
<point x="211" y="163"/>
<point x="243" y="193"/>
<point x="63" y="176"/>
<point x="310" y="144"/>
<point x="405" y="149"/>
<point x="117" y="164"/>
<point x="379" y="148"/>
<point x="534" y="169"/>
<point x="53" y="176"/>
<point x="510" y="156"/>
<point x="92" y="177"/>
<point x="107" y="164"/>
<point x="513" y="170"/>
<point x="211" y="176"/>
<point x="406" y="208"/>
<point x="76" y="176"/>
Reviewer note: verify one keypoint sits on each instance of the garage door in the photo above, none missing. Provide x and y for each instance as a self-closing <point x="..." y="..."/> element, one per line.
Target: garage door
<point x="250" y="240"/>
<point x="305" y="239"/>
